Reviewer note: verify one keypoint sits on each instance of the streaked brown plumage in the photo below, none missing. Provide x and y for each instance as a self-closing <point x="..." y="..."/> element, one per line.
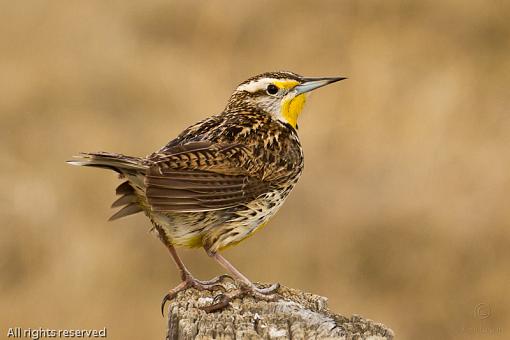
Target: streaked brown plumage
<point x="222" y="178"/>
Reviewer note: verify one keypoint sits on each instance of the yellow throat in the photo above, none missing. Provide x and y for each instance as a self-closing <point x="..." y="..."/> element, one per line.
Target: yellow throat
<point x="291" y="109"/>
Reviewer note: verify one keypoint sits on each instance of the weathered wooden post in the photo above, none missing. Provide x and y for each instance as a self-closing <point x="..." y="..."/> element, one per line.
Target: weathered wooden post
<point x="296" y="315"/>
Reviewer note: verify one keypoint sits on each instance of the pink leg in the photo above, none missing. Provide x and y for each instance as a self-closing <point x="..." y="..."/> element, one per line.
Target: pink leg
<point x="188" y="280"/>
<point x="249" y="287"/>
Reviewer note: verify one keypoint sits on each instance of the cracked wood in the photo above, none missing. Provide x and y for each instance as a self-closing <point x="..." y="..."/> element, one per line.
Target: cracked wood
<point x="296" y="315"/>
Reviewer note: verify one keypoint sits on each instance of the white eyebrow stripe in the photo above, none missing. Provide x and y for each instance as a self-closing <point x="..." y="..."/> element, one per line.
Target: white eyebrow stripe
<point x="256" y="85"/>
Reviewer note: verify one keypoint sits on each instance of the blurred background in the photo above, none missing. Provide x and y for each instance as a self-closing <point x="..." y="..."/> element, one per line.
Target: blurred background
<point x="408" y="223"/>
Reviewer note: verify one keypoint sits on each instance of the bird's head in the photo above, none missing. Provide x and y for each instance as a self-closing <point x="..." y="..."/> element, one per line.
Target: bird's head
<point x="280" y="94"/>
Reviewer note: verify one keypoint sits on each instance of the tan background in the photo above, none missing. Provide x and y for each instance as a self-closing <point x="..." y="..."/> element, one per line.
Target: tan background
<point x="401" y="215"/>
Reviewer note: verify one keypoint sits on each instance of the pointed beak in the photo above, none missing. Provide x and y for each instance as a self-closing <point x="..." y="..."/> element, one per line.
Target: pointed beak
<point x="310" y="84"/>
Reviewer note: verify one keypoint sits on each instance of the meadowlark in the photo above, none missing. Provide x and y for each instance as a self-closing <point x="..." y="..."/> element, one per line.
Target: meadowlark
<point x="221" y="179"/>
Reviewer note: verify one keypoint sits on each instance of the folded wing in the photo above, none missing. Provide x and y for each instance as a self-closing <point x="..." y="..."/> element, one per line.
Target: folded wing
<point x="200" y="177"/>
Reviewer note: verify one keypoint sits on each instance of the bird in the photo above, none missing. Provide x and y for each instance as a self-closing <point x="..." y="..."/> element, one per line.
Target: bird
<point x="221" y="179"/>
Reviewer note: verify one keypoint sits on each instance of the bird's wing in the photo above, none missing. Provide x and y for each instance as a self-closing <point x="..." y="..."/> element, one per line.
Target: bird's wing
<point x="202" y="176"/>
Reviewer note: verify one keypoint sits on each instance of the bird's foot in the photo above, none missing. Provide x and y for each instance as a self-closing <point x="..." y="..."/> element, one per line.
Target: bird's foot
<point x="223" y="299"/>
<point x="190" y="282"/>
<point x="266" y="294"/>
<point x="215" y="281"/>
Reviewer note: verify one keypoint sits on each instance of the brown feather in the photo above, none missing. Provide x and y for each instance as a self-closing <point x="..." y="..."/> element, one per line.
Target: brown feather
<point x="124" y="189"/>
<point x="129" y="209"/>
<point x="170" y="187"/>
<point x="123" y="200"/>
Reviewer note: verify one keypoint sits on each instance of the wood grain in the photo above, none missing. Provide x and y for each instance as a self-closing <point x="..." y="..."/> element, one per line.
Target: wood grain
<point x="295" y="315"/>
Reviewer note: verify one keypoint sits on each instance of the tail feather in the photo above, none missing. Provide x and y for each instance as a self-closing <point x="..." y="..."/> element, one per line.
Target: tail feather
<point x="127" y="200"/>
<point x="125" y="189"/>
<point x="123" y="200"/>
<point x="131" y="168"/>
<point x="108" y="160"/>
<point x="129" y="209"/>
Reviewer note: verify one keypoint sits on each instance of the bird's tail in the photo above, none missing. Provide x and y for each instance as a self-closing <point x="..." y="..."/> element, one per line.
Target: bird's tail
<point x="113" y="161"/>
<point x="132" y="168"/>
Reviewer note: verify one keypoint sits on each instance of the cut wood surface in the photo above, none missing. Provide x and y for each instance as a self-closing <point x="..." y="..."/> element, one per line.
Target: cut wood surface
<point x="295" y="315"/>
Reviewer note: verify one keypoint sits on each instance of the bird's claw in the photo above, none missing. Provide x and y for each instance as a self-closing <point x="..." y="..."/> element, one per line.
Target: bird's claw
<point x="173" y="293"/>
<point x="217" y="279"/>
<point x="269" y="290"/>
<point x="189" y="281"/>
<point x="220" y="301"/>
<point x="223" y="300"/>
<point x="163" y="303"/>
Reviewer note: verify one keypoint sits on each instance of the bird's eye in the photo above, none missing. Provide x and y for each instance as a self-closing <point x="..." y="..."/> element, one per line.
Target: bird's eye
<point x="272" y="89"/>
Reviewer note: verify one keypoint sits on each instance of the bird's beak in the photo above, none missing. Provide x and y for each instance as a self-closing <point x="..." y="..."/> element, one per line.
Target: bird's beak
<point x="310" y="84"/>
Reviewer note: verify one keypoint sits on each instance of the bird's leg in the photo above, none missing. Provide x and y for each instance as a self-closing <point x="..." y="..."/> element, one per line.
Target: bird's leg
<point x="247" y="286"/>
<point x="186" y="274"/>
<point x="188" y="280"/>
